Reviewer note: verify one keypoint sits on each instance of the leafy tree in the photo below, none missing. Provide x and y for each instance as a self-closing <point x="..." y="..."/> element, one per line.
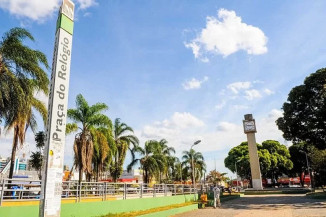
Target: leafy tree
<point x="198" y="163"/>
<point x="304" y="113"/>
<point x="151" y="161"/>
<point x="123" y="139"/>
<point x="89" y="118"/>
<point x="274" y="159"/>
<point x="21" y="76"/>
<point x="239" y="155"/>
<point x="279" y="157"/>
<point x="298" y="157"/>
<point x="37" y="157"/>
<point x="317" y="159"/>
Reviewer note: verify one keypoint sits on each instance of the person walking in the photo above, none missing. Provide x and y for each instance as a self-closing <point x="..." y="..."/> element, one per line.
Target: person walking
<point x="217" y="192"/>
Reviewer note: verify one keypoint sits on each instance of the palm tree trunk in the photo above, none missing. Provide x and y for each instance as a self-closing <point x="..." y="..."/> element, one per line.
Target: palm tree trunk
<point x="70" y="173"/>
<point x="40" y="174"/>
<point x="97" y="172"/>
<point x="13" y="152"/>
<point x="80" y="175"/>
<point x="146" y="177"/>
<point x="114" y="174"/>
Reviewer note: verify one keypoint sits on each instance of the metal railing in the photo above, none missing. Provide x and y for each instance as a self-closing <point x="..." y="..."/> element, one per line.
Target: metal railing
<point x="5" y="168"/>
<point x="19" y="189"/>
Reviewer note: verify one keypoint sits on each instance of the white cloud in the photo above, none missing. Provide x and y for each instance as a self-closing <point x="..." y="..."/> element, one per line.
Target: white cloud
<point x="178" y="121"/>
<point x="220" y="105"/>
<point x="247" y="90"/>
<point x="258" y="82"/>
<point x="6" y="140"/>
<point x="195" y="48"/>
<point x="83" y="4"/>
<point x="184" y="120"/>
<point x="227" y="34"/>
<point x="252" y="94"/>
<point x="33" y="9"/>
<point x="215" y="142"/>
<point x="267" y="128"/>
<point x="174" y="129"/>
<point x="240" y="107"/>
<point x="38" y="10"/>
<point x="237" y="86"/>
<point x="87" y="14"/>
<point x="275" y="113"/>
<point x="194" y="83"/>
<point x="268" y="91"/>
<point x="42" y="97"/>
<point x="226" y="126"/>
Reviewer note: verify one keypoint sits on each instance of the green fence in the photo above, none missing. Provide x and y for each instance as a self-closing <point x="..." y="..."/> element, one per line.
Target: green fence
<point x="91" y="209"/>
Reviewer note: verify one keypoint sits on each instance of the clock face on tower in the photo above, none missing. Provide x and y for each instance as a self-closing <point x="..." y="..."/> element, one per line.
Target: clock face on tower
<point x="249" y="126"/>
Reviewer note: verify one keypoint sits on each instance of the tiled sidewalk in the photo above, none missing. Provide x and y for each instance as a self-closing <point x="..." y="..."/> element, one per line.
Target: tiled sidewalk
<point x="265" y="206"/>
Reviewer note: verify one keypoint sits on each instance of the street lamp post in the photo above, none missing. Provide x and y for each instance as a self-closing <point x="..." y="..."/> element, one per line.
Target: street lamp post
<point x="181" y="172"/>
<point x="192" y="163"/>
<point x="236" y="171"/>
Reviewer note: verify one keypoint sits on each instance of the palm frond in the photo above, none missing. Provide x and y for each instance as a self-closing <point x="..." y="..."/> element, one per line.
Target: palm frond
<point x="71" y="127"/>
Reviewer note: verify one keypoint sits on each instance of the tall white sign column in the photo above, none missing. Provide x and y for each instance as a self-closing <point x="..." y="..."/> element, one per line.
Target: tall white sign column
<point x="50" y="204"/>
<point x="249" y="126"/>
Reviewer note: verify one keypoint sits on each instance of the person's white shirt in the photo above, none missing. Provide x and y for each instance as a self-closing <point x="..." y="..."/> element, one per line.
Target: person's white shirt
<point x="217" y="192"/>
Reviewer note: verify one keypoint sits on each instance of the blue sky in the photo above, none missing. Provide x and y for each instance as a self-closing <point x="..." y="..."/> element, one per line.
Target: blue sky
<point x="183" y="70"/>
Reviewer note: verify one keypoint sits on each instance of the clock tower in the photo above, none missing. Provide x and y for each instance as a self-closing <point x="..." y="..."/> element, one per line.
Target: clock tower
<point x="249" y="127"/>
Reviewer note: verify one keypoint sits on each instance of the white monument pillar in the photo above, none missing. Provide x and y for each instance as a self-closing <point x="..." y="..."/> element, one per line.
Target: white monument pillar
<point x="249" y="126"/>
<point x="50" y="205"/>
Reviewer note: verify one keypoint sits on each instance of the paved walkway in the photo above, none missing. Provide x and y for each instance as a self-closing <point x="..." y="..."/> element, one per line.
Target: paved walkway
<point x="265" y="206"/>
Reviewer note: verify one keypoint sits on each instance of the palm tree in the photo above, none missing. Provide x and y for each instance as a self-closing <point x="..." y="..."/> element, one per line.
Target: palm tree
<point x="37" y="157"/>
<point x="88" y="117"/>
<point x="198" y="162"/>
<point x="151" y="162"/>
<point x="103" y="150"/>
<point x="216" y="177"/>
<point x="18" y="61"/>
<point x="122" y="140"/>
<point x="177" y="171"/>
<point x="21" y="76"/>
<point x="173" y="168"/>
<point x="166" y="151"/>
<point x="9" y="89"/>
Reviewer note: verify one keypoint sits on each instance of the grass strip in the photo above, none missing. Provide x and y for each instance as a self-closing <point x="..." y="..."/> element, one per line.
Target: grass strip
<point x="316" y="195"/>
<point x="143" y="212"/>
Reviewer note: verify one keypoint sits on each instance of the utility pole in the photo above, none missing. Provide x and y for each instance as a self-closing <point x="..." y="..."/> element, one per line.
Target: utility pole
<point x="50" y="201"/>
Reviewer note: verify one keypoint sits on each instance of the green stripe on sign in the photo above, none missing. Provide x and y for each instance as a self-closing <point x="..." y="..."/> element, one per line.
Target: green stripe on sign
<point x="65" y="23"/>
